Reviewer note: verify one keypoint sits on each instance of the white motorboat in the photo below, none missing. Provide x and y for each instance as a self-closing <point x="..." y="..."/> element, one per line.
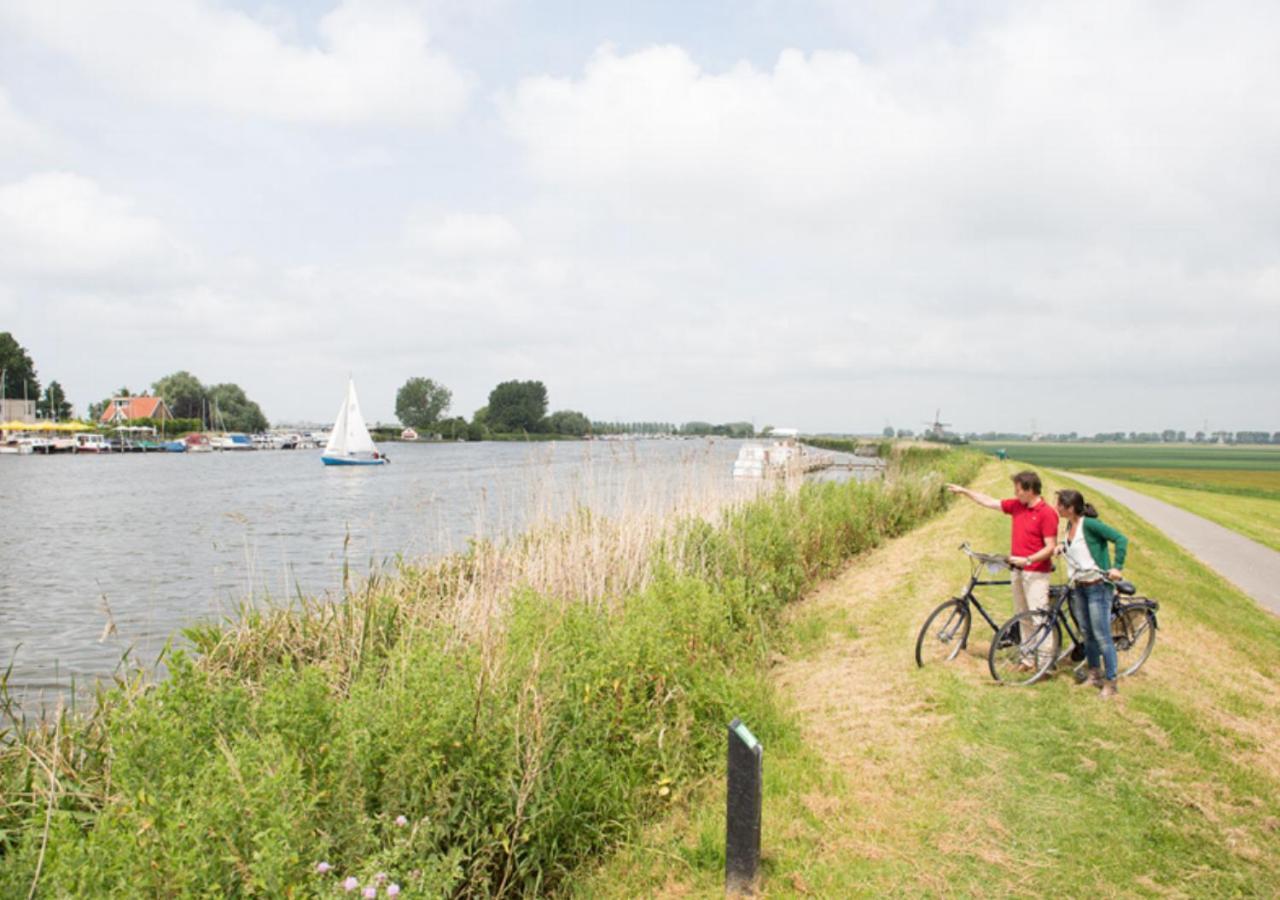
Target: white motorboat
<point x="783" y="456"/>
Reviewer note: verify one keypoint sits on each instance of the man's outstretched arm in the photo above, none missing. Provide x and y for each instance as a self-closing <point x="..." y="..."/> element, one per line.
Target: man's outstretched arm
<point x="976" y="496"/>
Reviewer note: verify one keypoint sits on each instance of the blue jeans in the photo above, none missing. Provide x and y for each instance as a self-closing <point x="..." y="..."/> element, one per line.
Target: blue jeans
<point x="1091" y="605"/>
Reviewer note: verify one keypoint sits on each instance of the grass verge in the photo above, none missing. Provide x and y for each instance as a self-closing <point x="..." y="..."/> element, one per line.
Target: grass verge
<point x="888" y="780"/>
<point x="481" y="726"/>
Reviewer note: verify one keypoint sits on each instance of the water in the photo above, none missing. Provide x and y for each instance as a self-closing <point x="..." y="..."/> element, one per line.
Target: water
<point x="103" y="555"/>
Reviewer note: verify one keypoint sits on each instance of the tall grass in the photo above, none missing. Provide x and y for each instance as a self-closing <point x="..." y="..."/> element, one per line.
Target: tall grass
<point x="479" y="725"/>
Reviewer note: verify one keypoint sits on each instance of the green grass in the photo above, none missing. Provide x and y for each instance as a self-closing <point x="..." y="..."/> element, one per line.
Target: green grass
<point x="905" y="782"/>
<point x="1085" y="456"/>
<point x="1242" y="482"/>
<point x="1257" y="518"/>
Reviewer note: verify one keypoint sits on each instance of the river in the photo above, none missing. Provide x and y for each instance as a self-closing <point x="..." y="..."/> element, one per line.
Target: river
<point x="106" y="555"/>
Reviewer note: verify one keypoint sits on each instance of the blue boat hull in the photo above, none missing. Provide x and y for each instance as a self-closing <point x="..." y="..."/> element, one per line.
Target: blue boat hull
<point x="343" y="461"/>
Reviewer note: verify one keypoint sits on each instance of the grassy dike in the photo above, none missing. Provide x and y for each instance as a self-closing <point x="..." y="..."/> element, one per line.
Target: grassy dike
<point x="454" y="746"/>
<point x="885" y="780"/>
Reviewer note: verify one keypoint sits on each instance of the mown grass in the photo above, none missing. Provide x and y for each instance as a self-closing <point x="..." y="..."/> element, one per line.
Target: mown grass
<point x="1256" y="517"/>
<point x="478" y="727"/>
<point x="1243" y="482"/>
<point x="1087" y="456"/>
<point x="895" y="781"/>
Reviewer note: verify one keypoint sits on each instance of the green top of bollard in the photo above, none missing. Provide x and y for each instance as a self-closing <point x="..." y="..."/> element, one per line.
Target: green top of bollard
<point x="744" y="733"/>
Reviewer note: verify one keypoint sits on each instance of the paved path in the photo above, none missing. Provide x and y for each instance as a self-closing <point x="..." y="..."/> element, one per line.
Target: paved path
<point x="1250" y="566"/>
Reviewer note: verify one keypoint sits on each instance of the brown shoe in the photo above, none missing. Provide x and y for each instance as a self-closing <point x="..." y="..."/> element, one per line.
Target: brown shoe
<point x="1109" y="690"/>
<point x="1094" y="678"/>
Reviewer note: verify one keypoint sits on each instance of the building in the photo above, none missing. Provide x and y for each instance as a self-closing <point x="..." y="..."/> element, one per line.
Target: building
<point x="122" y="409"/>
<point x="17" y="410"/>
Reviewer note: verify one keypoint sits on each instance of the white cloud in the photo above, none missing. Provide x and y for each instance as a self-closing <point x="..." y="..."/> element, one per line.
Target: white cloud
<point x="372" y="62"/>
<point x="19" y="136"/>
<point x="463" y="235"/>
<point x="63" y="227"/>
<point x="1098" y="172"/>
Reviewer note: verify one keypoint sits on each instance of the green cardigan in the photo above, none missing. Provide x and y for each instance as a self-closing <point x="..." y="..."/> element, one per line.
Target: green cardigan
<point x="1096" y="536"/>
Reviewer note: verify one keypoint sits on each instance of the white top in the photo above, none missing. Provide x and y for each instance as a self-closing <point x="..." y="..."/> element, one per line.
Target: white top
<point x="1080" y="564"/>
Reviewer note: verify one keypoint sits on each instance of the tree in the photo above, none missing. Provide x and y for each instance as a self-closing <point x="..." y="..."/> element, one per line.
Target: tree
<point x="567" y="421"/>
<point x="420" y="402"/>
<point x="235" y="411"/>
<point x="19" y="371"/>
<point x="888" y="431"/>
<point x="54" y="405"/>
<point x="517" y="406"/>
<point x="183" y="393"/>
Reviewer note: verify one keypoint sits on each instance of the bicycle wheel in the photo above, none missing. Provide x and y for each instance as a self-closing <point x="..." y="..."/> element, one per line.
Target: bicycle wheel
<point x="1024" y="648"/>
<point x="944" y="633"/>
<point x="1133" y="629"/>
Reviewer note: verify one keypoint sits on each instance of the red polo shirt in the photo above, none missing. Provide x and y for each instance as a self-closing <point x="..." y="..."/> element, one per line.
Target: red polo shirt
<point x="1031" y="525"/>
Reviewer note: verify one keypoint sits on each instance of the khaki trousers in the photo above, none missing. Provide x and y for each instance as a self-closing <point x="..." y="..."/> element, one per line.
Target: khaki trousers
<point x="1031" y="591"/>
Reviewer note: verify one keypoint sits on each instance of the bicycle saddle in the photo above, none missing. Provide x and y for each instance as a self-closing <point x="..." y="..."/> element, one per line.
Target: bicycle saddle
<point x="1124" y="587"/>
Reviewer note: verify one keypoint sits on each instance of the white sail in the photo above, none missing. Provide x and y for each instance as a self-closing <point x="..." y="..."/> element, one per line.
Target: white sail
<point x="350" y="437"/>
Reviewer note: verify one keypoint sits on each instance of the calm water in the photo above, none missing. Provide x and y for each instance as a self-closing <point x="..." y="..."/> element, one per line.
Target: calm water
<point x="154" y="542"/>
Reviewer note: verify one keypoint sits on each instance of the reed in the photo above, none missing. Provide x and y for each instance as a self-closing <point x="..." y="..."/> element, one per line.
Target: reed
<point x="477" y="725"/>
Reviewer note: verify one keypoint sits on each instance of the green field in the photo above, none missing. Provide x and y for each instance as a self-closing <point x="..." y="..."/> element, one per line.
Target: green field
<point x="1262" y="483"/>
<point x="1084" y="457"/>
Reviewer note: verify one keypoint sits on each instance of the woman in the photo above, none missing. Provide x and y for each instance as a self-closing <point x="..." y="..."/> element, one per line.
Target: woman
<point x="1088" y="570"/>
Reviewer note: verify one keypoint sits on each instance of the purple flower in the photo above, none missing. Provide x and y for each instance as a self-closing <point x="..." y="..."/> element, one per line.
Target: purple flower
<point x="393" y="890"/>
<point x="380" y="877"/>
<point x="401" y="821"/>
<point x="323" y="867"/>
<point x="350" y="884"/>
<point x="370" y="893"/>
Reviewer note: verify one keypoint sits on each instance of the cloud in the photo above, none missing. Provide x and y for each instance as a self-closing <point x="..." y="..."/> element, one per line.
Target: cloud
<point x="1089" y="171"/>
<point x="63" y="228"/>
<point x="463" y="235"/>
<point x="20" y="138"/>
<point x="372" y="60"/>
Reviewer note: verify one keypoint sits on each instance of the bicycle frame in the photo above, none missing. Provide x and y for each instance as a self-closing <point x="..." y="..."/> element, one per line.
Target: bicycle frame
<point x="969" y="598"/>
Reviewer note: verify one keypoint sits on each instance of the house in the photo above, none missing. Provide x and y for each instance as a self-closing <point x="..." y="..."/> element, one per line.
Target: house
<point x="121" y="409"/>
<point x="17" y="410"/>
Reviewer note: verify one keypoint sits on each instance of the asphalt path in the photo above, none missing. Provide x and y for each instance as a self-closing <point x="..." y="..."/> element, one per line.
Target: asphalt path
<point x="1250" y="566"/>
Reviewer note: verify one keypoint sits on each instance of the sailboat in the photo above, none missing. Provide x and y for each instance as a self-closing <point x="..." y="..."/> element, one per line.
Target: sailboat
<point x="350" y="443"/>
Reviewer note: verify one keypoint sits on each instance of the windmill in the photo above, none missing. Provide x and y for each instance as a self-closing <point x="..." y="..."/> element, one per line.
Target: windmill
<point x="937" y="428"/>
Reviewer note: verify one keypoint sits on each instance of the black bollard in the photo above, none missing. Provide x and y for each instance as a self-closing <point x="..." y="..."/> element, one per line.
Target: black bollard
<point x="742" y="816"/>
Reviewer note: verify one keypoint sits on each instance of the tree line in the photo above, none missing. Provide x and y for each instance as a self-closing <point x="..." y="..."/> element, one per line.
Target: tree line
<point x="520" y="407"/>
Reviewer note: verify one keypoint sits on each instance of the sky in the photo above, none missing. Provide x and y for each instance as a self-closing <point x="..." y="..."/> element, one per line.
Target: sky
<point x="827" y="215"/>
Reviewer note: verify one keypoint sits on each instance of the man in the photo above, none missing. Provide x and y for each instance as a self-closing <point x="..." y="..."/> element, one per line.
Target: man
<point x="1034" y="537"/>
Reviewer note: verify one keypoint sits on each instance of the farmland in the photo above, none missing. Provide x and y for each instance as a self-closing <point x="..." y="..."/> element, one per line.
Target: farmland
<point x="1262" y="483"/>
<point x="1091" y="457"/>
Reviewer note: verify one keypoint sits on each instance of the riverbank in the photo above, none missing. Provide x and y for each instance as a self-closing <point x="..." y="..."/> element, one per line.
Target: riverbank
<point x="885" y="780"/>
<point x="484" y="724"/>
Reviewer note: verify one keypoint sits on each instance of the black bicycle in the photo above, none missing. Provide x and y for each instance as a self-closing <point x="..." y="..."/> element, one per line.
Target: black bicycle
<point x="1029" y="645"/>
<point x="946" y="631"/>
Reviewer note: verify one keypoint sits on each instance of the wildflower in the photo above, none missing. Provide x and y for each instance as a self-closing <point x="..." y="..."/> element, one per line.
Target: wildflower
<point x="323" y="868"/>
<point x="401" y="821"/>
<point x="380" y="877"/>
<point x="415" y="874"/>
<point x="370" y="893"/>
<point x="350" y="884"/>
<point x="393" y="890"/>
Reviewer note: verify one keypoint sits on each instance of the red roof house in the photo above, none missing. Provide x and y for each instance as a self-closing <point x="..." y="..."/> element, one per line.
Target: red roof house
<point x="121" y="409"/>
